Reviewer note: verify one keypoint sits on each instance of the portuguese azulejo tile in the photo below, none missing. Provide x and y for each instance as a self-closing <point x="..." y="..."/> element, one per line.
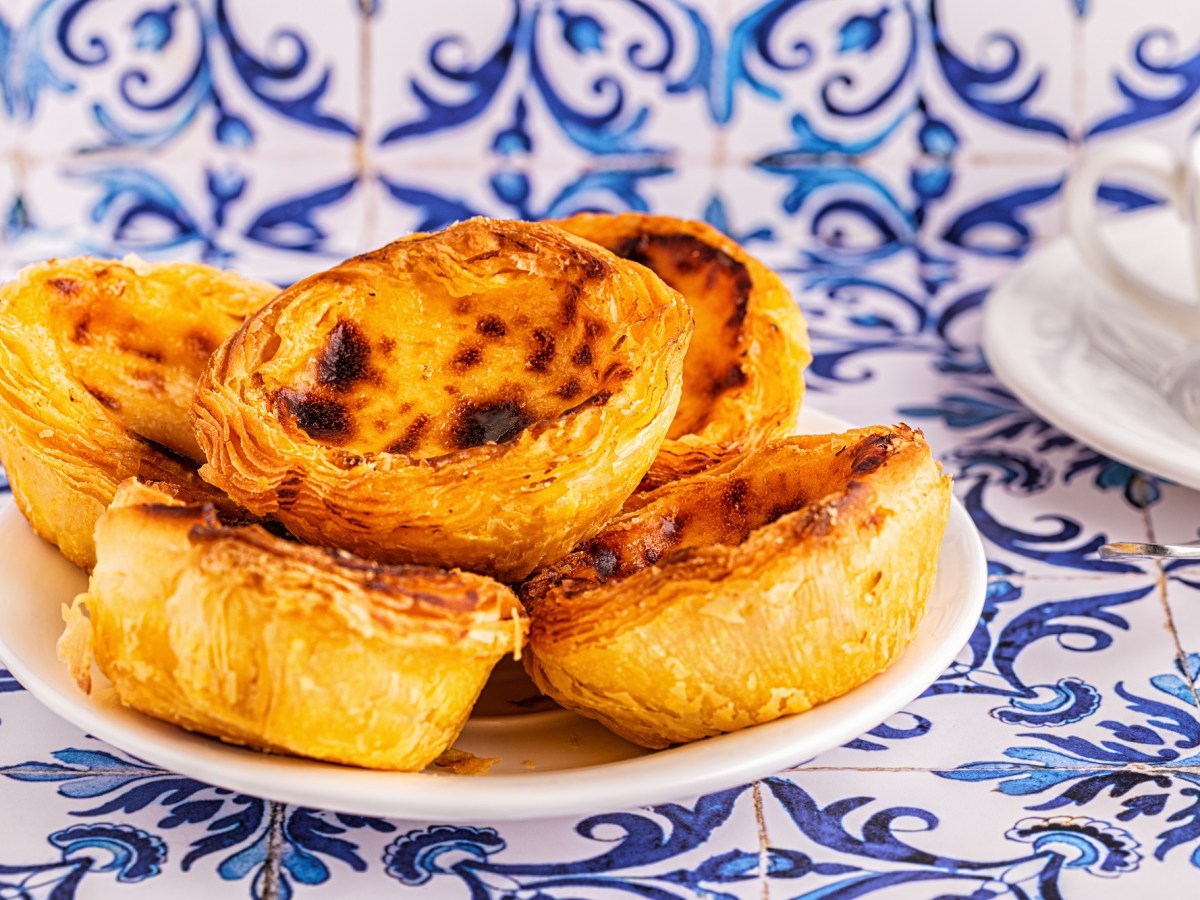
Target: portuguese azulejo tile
<point x="1007" y="86"/>
<point x="1141" y="70"/>
<point x="434" y="197"/>
<point x="918" y="835"/>
<point x="287" y="218"/>
<point x="557" y="80"/>
<point x="817" y="79"/>
<point x="98" y="74"/>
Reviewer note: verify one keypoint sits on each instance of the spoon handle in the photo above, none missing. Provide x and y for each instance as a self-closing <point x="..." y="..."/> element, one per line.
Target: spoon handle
<point x="1129" y="550"/>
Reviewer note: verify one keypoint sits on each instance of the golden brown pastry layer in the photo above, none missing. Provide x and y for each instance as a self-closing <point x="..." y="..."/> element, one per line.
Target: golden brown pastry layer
<point x="259" y="641"/>
<point x="754" y="590"/>
<point x="98" y="362"/>
<point x="743" y="375"/>
<point x="484" y="396"/>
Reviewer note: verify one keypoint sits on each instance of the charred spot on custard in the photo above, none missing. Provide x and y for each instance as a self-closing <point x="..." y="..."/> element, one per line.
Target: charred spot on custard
<point x="200" y="344"/>
<point x="68" y="287"/>
<point x="491" y="326"/>
<point x="346" y="357"/>
<point x="104" y="399"/>
<point x="321" y="418"/>
<point x="872" y="452"/>
<point x="568" y="390"/>
<point x="604" y="559"/>
<point x="597" y="399"/>
<point x="408" y="441"/>
<point x="734" y="377"/>
<point x="543" y="351"/>
<point x="387" y="344"/>
<point x="150" y="379"/>
<point x="490" y="422"/>
<point x="582" y="356"/>
<point x="149" y="355"/>
<point x="467" y="357"/>
<point x="734" y="497"/>
<point x="570" y="303"/>
<point x="81" y="333"/>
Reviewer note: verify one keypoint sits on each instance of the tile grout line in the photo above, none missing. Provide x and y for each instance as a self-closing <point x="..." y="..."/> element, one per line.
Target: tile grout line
<point x="366" y="97"/>
<point x="1148" y="768"/>
<point x="273" y="862"/>
<point x="764" y="854"/>
<point x="1162" y="581"/>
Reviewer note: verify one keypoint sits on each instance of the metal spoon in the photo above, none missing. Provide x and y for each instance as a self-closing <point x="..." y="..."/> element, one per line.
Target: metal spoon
<point x="1129" y="550"/>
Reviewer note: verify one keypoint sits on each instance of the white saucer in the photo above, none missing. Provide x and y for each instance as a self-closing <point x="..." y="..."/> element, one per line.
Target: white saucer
<point x="1036" y="344"/>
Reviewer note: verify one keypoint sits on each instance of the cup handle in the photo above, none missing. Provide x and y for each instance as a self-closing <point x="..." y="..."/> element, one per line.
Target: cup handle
<point x="1148" y="158"/>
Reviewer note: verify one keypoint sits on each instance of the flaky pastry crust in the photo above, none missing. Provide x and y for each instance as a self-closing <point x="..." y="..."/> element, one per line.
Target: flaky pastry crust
<point x="260" y="641"/>
<point x="743" y="378"/>
<point x="757" y="589"/>
<point x="484" y="396"/>
<point x="98" y="362"/>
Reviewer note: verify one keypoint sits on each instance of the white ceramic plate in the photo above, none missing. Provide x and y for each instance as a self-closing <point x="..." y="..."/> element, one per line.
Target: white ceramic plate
<point x="552" y="762"/>
<point x="1036" y="343"/>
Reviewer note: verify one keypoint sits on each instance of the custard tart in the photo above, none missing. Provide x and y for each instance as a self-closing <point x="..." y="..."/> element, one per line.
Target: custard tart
<point x="743" y="376"/>
<point x="231" y="631"/>
<point x="98" y="363"/>
<point x="485" y="396"/>
<point x="759" y="588"/>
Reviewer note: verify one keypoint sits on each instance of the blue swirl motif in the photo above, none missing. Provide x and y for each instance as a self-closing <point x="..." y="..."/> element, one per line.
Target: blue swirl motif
<point x="1180" y="76"/>
<point x="993" y="92"/>
<point x="1136" y="760"/>
<point x="132" y="854"/>
<point x="150" y="115"/>
<point x="994" y="414"/>
<point x="138" y="211"/>
<point x="8" y="683"/>
<point x="761" y="59"/>
<point x="630" y="841"/>
<point x="519" y="60"/>
<point x="1079" y="624"/>
<point x="615" y="190"/>
<point x="274" y="844"/>
<point x="24" y="70"/>
<point x="862" y="313"/>
<point x="874" y="857"/>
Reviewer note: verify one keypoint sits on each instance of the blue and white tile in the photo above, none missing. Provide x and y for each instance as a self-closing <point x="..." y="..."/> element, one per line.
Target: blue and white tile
<point x="996" y="211"/>
<point x="1142" y="71"/>
<point x="99" y="75"/>
<point x="1177" y="520"/>
<point x="427" y="197"/>
<point x="284" y="218"/>
<point x="917" y="835"/>
<point x="1003" y="73"/>
<point x="824" y="215"/>
<point x="134" y="831"/>
<point x="458" y="81"/>
<point x="680" y="850"/>
<point x="812" y="79"/>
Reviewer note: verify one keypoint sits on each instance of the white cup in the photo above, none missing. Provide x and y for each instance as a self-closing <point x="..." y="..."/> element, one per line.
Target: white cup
<point x="1181" y="181"/>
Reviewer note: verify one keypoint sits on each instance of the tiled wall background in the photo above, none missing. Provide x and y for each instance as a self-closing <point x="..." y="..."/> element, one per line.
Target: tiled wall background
<point x="851" y="131"/>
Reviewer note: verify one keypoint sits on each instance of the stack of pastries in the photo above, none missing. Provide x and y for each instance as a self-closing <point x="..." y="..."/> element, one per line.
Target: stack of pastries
<point x="315" y="519"/>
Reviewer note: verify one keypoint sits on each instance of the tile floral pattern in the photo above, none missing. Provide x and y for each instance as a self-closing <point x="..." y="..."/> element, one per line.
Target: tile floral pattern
<point x="893" y="159"/>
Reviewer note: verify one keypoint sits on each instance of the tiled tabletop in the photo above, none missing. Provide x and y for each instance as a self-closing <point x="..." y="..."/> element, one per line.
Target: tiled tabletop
<point x="894" y="160"/>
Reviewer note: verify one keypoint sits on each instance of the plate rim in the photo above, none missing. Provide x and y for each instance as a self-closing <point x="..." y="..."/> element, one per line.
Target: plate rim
<point x="1002" y="347"/>
<point x="698" y="768"/>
